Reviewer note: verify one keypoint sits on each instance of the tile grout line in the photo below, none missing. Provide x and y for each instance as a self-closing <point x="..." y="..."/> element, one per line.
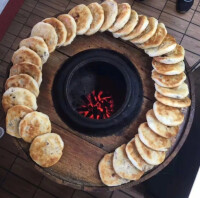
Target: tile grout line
<point x="188" y="25"/>
<point x="10" y="192"/>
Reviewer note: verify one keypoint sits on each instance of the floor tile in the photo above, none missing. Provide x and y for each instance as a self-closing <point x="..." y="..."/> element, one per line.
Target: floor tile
<point x="119" y="194"/>
<point x="19" y="187"/>
<point x="56" y="189"/>
<point x="101" y="194"/>
<point x="194" y="31"/>
<point x="8" y="40"/>
<point x="7" y="159"/>
<point x="81" y="194"/>
<point x="5" y="194"/>
<point x="7" y="143"/>
<point x="58" y="4"/>
<point x="33" y="19"/>
<point x="3" y="68"/>
<point x="70" y="5"/>
<point x="146" y="10"/>
<point x="198" y="8"/>
<point x="191" y="44"/>
<point x="174" y="22"/>
<point x="44" y="11"/>
<point x="170" y="8"/>
<point x="135" y="191"/>
<point x="16" y="42"/>
<point x="43" y="194"/>
<point x="86" y="2"/>
<point x="3" y="51"/>
<point x="25" y="32"/>
<point x="196" y="18"/>
<point x="27" y="171"/>
<point x="156" y="4"/>
<point x="3" y="174"/>
<point x="193" y="6"/>
<point x="177" y="35"/>
<point x="1" y="83"/>
<point x="28" y="5"/>
<point x="191" y="58"/>
<point x="15" y="27"/>
<point x="8" y="56"/>
<point x="22" y="16"/>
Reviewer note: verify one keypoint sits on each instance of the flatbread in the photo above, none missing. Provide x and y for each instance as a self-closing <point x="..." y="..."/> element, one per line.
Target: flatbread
<point x="14" y="115"/>
<point x="173" y="102"/>
<point x="34" y="124"/>
<point x="151" y="139"/>
<point x="60" y="29"/>
<point x="147" y="33"/>
<point x="171" y="69"/>
<point x="24" y="81"/>
<point x="175" y="56"/>
<point x="124" y="13"/>
<point x="98" y="18"/>
<point x="123" y="166"/>
<point x="168" y="45"/>
<point x="48" y="33"/>
<point x="24" y="54"/>
<point x="107" y="174"/>
<point x="168" y="81"/>
<point x="47" y="149"/>
<point x="110" y="8"/>
<point x="156" y="39"/>
<point x="70" y="26"/>
<point x="27" y="68"/>
<point x="179" y="92"/>
<point x="150" y="156"/>
<point x="129" y="26"/>
<point x="169" y="116"/>
<point x="18" y="96"/>
<point x="135" y="157"/>
<point x="38" y="45"/>
<point x="140" y="27"/>
<point x="159" y="128"/>
<point x="83" y="17"/>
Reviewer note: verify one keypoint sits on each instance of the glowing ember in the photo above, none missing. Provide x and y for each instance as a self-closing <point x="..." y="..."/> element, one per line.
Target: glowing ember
<point x="96" y="106"/>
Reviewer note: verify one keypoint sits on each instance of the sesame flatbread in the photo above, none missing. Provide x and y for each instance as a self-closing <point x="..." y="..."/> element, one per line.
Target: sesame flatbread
<point x="159" y="128"/>
<point x="175" y="56"/>
<point x="98" y="18"/>
<point x="38" y="45"/>
<point x="123" y="166"/>
<point x="173" y="102"/>
<point x="124" y="13"/>
<point x="147" y="33"/>
<point x="150" y="156"/>
<point x="24" y="54"/>
<point x="179" y="92"/>
<point x="153" y="140"/>
<point x="129" y="26"/>
<point x="110" y="8"/>
<point x="48" y="33"/>
<point x="47" y="149"/>
<point x="156" y="39"/>
<point x="14" y="115"/>
<point x="169" y="116"/>
<point x="70" y="26"/>
<point x="60" y="29"/>
<point x="135" y="157"/>
<point x="168" y="81"/>
<point x="107" y="174"/>
<point x="27" y="68"/>
<point x="139" y="28"/>
<point x="24" y="81"/>
<point x="34" y="124"/>
<point x="170" y="69"/>
<point x="83" y="17"/>
<point x="18" y="96"/>
<point x="168" y="45"/>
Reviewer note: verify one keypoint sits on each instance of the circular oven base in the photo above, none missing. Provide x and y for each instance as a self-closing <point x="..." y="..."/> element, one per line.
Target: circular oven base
<point x="78" y="167"/>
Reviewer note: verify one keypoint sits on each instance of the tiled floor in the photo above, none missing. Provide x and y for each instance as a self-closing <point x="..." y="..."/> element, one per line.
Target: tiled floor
<point x="17" y="177"/>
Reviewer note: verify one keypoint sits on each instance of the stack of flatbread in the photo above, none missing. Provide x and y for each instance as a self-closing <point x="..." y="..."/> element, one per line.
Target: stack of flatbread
<point x="148" y="148"/>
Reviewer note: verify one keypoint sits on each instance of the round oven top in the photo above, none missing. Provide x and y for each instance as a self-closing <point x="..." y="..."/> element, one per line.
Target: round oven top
<point x="97" y="92"/>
